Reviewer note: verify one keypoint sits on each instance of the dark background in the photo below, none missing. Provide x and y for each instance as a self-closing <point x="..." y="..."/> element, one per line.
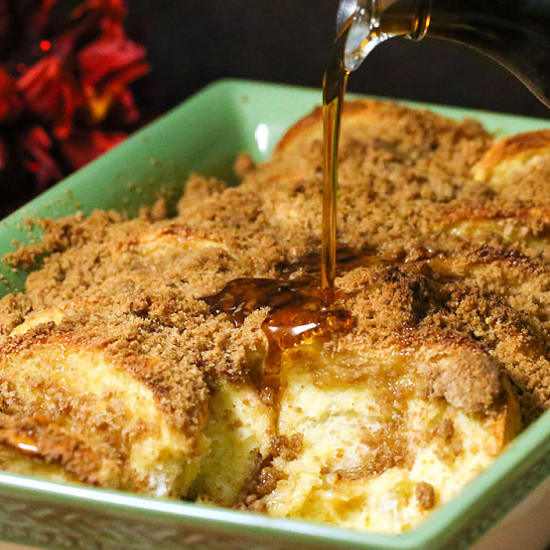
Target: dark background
<point x="194" y="42"/>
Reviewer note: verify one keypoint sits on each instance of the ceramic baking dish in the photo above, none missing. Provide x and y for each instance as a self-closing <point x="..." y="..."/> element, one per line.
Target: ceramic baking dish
<point x="204" y="135"/>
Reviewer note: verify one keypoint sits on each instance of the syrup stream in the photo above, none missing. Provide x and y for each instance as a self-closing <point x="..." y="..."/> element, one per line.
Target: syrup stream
<point x="334" y="89"/>
<point x="307" y="307"/>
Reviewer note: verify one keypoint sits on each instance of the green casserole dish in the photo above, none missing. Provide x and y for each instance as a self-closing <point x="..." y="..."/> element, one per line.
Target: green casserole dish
<point x="204" y="135"/>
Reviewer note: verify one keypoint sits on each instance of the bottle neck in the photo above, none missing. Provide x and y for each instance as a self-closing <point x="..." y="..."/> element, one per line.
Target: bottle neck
<point x="409" y="18"/>
<point x="370" y="22"/>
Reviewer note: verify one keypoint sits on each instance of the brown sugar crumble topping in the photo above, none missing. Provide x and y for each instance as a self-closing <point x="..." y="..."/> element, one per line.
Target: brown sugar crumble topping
<point x="425" y="495"/>
<point x="444" y="270"/>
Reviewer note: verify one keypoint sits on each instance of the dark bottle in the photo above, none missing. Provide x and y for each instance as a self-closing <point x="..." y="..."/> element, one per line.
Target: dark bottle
<point x="515" y="33"/>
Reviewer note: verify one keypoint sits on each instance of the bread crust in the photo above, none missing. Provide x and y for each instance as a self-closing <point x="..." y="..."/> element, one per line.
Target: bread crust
<point x="517" y="148"/>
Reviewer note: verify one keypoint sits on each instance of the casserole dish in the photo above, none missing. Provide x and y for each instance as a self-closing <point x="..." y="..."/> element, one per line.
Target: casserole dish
<point x="204" y="135"/>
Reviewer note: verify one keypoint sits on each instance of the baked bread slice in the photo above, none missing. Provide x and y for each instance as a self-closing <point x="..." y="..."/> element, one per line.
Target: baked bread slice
<point x="111" y="369"/>
<point x="366" y="448"/>
<point x="518" y="166"/>
<point x="97" y="411"/>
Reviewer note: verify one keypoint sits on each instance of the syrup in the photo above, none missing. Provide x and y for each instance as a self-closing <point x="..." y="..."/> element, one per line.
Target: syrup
<point x="298" y="310"/>
<point x="334" y="89"/>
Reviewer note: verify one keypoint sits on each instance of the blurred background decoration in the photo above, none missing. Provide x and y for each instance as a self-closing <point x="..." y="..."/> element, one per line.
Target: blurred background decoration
<point x="73" y="76"/>
<point x="64" y="89"/>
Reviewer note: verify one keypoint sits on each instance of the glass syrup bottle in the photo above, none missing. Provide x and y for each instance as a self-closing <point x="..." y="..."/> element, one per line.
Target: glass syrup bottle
<point x="515" y="33"/>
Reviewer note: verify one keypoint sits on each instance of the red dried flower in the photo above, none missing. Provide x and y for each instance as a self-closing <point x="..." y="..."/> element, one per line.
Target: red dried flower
<point x="107" y="66"/>
<point x="38" y="158"/>
<point x="85" y="145"/>
<point x="51" y="92"/>
<point x="10" y="102"/>
<point x="63" y="94"/>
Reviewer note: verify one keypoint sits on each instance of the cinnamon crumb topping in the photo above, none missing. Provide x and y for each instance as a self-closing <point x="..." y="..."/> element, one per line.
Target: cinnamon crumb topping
<point x="425" y="495"/>
<point x="452" y="276"/>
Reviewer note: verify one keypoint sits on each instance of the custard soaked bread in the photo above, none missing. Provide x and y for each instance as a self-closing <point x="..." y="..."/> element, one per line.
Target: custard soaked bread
<point x="195" y="358"/>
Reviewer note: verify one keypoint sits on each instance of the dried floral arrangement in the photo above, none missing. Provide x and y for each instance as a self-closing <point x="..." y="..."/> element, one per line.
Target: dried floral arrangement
<point x="64" y="89"/>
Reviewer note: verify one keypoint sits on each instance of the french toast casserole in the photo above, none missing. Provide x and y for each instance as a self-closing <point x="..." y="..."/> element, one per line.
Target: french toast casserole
<point x="136" y="359"/>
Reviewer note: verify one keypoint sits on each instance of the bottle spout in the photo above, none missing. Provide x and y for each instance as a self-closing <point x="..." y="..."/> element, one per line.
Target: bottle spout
<point x="355" y="19"/>
<point x="367" y="23"/>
